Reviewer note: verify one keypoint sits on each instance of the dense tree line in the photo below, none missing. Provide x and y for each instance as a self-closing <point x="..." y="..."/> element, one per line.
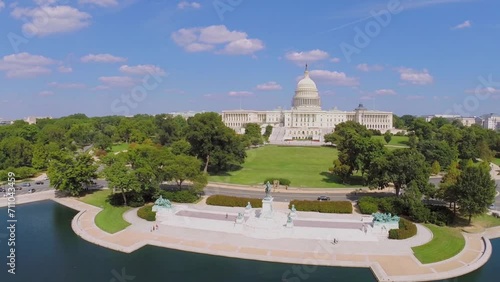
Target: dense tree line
<point x="160" y="148"/>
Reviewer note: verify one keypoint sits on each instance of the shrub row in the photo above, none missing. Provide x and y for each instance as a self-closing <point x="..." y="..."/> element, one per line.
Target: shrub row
<point x="230" y="201"/>
<point x="323" y="207"/>
<point x="182" y="196"/>
<point x="407" y="229"/>
<point x="146" y="213"/>
<point x="283" y="181"/>
<point x="369" y="205"/>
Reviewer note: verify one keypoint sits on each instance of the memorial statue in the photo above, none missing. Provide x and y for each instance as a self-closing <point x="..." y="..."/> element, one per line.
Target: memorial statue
<point x="384" y="217"/>
<point x="249" y="206"/>
<point x="290" y="219"/>
<point x="160" y="202"/>
<point x="268" y="189"/>
<point x="293" y="209"/>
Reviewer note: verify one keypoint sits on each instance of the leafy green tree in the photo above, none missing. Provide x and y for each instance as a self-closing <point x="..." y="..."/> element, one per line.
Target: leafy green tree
<point x="121" y="177"/>
<point x="342" y="171"/>
<point x="378" y="176"/>
<point x="412" y="141"/>
<point x="447" y="186"/>
<point x="103" y="141"/>
<point x="183" y="168"/>
<point x="475" y="190"/>
<point x="405" y="166"/>
<point x="439" y="151"/>
<point x="252" y="133"/>
<point x="422" y="129"/>
<point x="72" y="174"/>
<point x="484" y="151"/>
<point x="436" y="168"/>
<point x="81" y="133"/>
<point x="215" y="144"/>
<point x="180" y="147"/>
<point x="329" y="138"/>
<point x="449" y="133"/>
<point x="170" y="128"/>
<point x="387" y="136"/>
<point x="15" y="152"/>
<point x="407" y="120"/>
<point x="268" y="132"/>
<point x="439" y="122"/>
<point x="397" y="122"/>
<point x="468" y="144"/>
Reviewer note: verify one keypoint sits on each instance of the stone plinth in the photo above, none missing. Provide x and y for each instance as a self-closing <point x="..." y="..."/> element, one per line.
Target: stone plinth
<point x="267" y="207"/>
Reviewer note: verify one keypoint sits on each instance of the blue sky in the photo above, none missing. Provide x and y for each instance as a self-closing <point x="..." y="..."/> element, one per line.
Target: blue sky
<point x="106" y="57"/>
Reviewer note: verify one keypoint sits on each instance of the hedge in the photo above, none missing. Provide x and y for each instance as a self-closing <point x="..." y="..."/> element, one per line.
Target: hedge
<point x="323" y="207"/>
<point x="182" y="196"/>
<point x="406" y="230"/>
<point x="230" y="201"/>
<point x="146" y="213"/>
<point x="367" y="207"/>
<point x="283" y="181"/>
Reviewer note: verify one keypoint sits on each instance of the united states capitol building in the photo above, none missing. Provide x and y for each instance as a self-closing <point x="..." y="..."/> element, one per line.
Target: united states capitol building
<point x="306" y="120"/>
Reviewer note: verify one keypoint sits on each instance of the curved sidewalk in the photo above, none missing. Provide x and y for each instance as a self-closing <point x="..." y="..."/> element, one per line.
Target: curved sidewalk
<point x="380" y="257"/>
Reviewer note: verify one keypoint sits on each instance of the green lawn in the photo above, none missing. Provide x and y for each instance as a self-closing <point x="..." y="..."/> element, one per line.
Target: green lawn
<point x="395" y="141"/>
<point x="497" y="161"/>
<point x="303" y="166"/>
<point x="446" y="243"/>
<point x="119" y="147"/>
<point x="485" y="221"/>
<point x="110" y="219"/>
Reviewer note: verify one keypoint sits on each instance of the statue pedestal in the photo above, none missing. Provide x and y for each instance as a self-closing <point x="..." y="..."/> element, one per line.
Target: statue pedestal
<point x="267" y="207"/>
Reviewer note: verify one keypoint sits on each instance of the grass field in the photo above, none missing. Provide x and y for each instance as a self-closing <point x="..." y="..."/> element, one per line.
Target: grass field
<point x="303" y="166"/>
<point x="110" y="219"/>
<point x="497" y="161"/>
<point x="395" y="141"/>
<point x="485" y="221"/>
<point x="119" y="147"/>
<point x="446" y="243"/>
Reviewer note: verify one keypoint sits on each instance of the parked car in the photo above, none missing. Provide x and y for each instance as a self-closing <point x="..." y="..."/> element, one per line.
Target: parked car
<point x="492" y="207"/>
<point x="32" y="190"/>
<point x="18" y="187"/>
<point x="323" y="198"/>
<point x="26" y="184"/>
<point x="2" y="189"/>
<point x="39" y="183"/>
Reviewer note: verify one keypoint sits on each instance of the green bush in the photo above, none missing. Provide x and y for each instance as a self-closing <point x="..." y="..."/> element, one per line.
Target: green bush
<point x="367" y="207"/>
<point x="20" y="173"/>
<point x="323" y="207"/>
<point x="182" y="196"/>
<point x="441" y="215"/>
<point x="283" y="181"/>
<point x="146" y="213"/>
<point x="230" y="201"/>
<point x="385" y="204"/>
<point x="407" y="229"/>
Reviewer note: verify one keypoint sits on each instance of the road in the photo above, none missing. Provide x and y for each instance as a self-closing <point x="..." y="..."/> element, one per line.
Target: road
<point x="279" y="196"/>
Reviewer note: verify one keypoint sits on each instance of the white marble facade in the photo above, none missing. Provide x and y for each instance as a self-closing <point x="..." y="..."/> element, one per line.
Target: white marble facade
<point x="306" y="119"/>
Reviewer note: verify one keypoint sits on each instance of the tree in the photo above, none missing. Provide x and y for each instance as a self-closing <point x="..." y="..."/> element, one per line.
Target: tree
<point x="405" y="166"/>
<point x="378" y="176"/>
<point x="340" y="170"/>
<point x="180" y="147"/>
<point x="412" y="141"/>
<point x="103" y="141"/>
<point x="475" y="190"/>
<point x="447" y="186"/>
<point x="183" y="168"/>
<point x="439" y="151"/>
<point x="422" y="129"/>
<point x="436" y="168"/>
<point x="397" y="122"/>
<point x="15" y="152"/>
<point x="268" y="132"/>
<point x="214" y="143"/>
<point x="387" y="136"/>
<point x="329" y="138"/>
<point x="449" y="133"/>
<point x="72" y="174"/>
<point x="170" y="128"/>
<point x="252" y="133"/>
<point x="484" y="151"/>
<point x="120" y="176"/>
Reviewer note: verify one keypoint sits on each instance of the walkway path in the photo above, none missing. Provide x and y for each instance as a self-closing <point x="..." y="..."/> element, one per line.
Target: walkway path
<point x="389" y="260"/>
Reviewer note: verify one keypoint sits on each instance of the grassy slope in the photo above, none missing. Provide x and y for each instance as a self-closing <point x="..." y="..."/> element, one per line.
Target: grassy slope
<point x="119" y="147"/>
<point x="304" y="166"/>
<point x="446" y="243"/>
<point x="110" y="219"/>
<point x="497" y="161"/>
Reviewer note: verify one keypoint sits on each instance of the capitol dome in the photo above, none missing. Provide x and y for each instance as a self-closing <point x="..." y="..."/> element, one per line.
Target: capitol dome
<point x="306" y="94"/>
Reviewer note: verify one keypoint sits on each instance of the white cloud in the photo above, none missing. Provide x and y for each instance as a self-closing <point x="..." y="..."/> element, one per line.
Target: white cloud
<point x="268" y="86"/>
<point x="335" y="60"/>
<point x="46" y="93"/>
<point x="201" y="39"/>
<point x="485" y="90"/>
<point x="64" y="69"/>
<point x="463" y="25"/>
<point x="102" y="58"/>
<point x="25" y="65"/>
<point x="101" y="3"/>
<point x="366" y="97"/>
<point x="66" y="85"/>
<point x="48" y="20"/>
<point x="45" y="2"/>
<point x="240" y="93"/>
<point x="185" y="4"/>
<point x="2" y="5"/>
<point x="142" y="70"/>
<point x="415" y="77"/>
<point x="414" y="97"/>
<point x="117" y="81"/>
<point x="307" y="56"/>
<point x="367" y="68"/>
<point x="336" y="78"/>
<point x="385" y="92"/>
